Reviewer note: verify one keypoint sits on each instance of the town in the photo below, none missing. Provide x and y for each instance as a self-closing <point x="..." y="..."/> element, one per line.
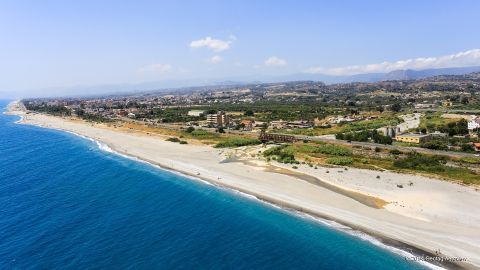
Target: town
<point x="433" y="116"/>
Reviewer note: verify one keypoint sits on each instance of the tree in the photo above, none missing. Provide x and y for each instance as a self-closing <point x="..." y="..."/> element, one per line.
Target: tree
<point x="248" y="113"/>
<point x="464" y="100"/>
<point x="396" y="107"/>
<point x="189" y="129"/>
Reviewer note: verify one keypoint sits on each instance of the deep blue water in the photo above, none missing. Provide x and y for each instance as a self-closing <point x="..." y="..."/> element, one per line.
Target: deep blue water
<point x="65" y="204"/>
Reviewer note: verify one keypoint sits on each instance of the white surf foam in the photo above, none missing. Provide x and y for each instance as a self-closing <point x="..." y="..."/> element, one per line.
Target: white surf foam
<point x="325" y="222"/>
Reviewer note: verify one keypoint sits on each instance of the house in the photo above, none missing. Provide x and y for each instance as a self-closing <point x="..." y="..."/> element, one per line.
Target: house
<point x="476" y="146"/>
<point x="247" y="124"/>
<point x="412" y="138"/>
<point x="278" y="124"/>
<point x="196" y="113"/>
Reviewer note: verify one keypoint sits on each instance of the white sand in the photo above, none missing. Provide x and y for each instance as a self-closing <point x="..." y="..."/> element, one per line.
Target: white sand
<point x="431" y="214"/>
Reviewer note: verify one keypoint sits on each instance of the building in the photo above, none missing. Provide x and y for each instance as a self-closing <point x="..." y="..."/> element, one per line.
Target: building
<point x="388" y="131"/>
<point x="196" y="113"/>
<point x="476" y="146"/>
<point x="246" y="124"/>
<point x="447" y="103"/>
<point x="424" y="105"/>
<point x="219" y="119"/>
<point x="279" y="124"/>
<point x="299" y="124"/>
<point x="412" y="138"/>
<point x="473" y="124"/>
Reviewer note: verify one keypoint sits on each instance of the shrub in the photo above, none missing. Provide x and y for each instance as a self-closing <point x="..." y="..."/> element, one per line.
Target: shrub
<point x="418" y="161"/>
<point x="237" y="142"/>
<point x="470" y="160"/>
<point x="282" y="153"/>
<point x="173" y="139"/>
<point x="331" y="149"/>
<point x="435" y="144"/>
<point x="395" y="152"/>
<point x="199" y="132"/>
<point x="340" y="160"/>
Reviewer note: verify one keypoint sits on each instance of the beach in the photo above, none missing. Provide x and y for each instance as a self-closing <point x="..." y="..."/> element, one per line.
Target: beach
<point x="431" y="215"/>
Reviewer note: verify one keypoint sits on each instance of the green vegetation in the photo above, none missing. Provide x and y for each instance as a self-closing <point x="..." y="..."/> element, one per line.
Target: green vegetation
<point x="201" y="134"/>
<point x="177" y="140"/>
<point x="346" y="127"/>
<point x="435" y="145"/>
<point x="92" y="117"/>
<point x="365" y="136"/>
<point x="432" y="122"/>
<point x="56" y="110"/>
<point x="237" y="142"/>
<point x="332" y="149"/>
<point x="340" y="160"/>
<point x="173" y="139"/>
<point x="436" y="165"/>
<point x="286" y="153"/>
<point x="421" y="162"/>
<point x="470" y="160"/>
<point x="283" y="153"/>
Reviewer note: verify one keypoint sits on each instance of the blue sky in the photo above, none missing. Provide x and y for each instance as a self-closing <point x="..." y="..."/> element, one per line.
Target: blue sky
<point x="48" y="44"/>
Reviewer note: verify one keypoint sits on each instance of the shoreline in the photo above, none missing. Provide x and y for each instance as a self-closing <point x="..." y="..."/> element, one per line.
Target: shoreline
<point x="394" y="246"/>
<point x="288" y="205"/>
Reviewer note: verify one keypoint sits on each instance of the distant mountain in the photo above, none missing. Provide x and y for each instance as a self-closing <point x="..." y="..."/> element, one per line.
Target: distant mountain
<point x="410" y="74"/>
<point x="171" y="85"/>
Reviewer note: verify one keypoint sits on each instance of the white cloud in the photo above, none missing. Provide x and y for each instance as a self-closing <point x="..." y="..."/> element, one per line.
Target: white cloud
<point x="461" y="59"/>
<point x="213" y="44"/>
<point x="215" y="59"/>
<point x="155" y="68"/>
<point x="275" y="62"/>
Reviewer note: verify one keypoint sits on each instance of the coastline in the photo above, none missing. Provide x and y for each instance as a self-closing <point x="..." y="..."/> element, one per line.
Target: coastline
<point x="392" y="227"/>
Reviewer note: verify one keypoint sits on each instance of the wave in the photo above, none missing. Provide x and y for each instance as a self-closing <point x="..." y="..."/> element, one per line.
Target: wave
<point x="325" y="222"/>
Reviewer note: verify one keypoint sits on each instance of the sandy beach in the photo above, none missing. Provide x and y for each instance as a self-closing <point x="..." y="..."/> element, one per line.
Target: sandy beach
<point x="430" y="215"/>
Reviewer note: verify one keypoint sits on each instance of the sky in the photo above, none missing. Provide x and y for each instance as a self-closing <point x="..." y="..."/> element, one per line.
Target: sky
<point x="51" y="47"/>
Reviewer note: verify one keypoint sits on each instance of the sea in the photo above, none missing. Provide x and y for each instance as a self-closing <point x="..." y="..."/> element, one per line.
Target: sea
<point x="67" y="202"/>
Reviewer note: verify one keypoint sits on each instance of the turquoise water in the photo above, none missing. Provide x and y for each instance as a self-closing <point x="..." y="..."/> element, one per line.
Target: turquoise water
<point x="66" y="204"/>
